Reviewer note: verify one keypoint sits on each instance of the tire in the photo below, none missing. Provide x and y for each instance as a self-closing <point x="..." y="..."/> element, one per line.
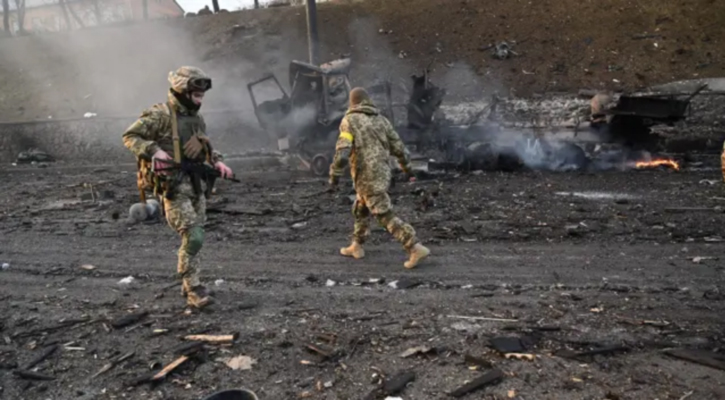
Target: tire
<point x="320" y="165"/>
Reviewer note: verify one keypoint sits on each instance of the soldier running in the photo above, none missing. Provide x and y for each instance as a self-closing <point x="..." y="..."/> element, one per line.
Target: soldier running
<point x="176" y="127"/>
<point x="367" y="139"/>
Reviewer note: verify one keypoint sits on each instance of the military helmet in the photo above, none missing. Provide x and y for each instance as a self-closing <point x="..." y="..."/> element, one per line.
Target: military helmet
<point x="189" y="79"/>
<point x="601" y="102"/>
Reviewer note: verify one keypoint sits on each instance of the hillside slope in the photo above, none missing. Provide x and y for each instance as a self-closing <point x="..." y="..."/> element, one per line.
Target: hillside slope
<point x="559" y="45"/>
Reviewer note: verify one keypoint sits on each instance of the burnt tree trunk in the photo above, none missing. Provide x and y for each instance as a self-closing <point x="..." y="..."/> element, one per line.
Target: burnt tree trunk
<point x="75" y="16"/>
<point x="256" y="4"/>
<point x="66" y="17"/>
<point x="6" y="17"/>
<point x="215" y="5"/>
<point x="20" y="7"/>
<point x="145" y="9"/>
<point x="97" y="12"/>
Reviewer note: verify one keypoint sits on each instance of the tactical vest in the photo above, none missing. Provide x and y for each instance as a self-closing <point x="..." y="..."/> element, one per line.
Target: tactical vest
<point x="190" y="125"/>
<point x="183" y="127"/>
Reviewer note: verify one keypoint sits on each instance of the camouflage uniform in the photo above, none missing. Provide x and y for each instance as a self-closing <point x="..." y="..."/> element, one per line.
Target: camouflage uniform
<point x="186" y="209"/>
<point x="369" y="140"/>
<point x="722" y="162"/>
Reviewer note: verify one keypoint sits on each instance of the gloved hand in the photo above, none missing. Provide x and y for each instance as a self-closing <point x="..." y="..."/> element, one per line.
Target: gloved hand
<point x="334" y="180"/>
<point x="409" y="175"/>
<point x="158" y="164"/>
<point x="225" y="171"/>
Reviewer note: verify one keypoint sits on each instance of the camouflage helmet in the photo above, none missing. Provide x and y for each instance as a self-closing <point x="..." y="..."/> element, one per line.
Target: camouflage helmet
<point x="189" y="79"/>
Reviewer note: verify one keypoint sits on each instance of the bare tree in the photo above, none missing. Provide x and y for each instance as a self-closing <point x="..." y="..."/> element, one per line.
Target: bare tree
<point x="20" y="9"/>
<point x="97" y="12"/>
<point x="6" y="17"/>
<point x="75" y="16"/>
<point x="256" y="4"/>
<point x="65" y="14"/>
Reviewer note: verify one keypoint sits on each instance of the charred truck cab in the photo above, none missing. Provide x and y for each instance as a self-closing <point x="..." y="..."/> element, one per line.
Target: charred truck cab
<point x="305" y="123"/>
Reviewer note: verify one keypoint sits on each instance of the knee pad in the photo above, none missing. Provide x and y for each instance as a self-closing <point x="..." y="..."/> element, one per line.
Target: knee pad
<point x="196" y="240"/>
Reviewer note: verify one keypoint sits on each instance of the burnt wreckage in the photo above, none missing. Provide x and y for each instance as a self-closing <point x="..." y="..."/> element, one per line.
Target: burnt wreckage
<point x="305" y="124"/>
<point x="306" y="121"/>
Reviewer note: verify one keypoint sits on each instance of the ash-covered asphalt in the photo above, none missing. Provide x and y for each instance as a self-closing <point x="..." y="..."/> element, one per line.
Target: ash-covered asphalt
<point x="627" y="263"/>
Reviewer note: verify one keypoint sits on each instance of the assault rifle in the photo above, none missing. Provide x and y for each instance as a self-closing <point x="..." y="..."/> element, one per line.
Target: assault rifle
<point x="195" y="170"/>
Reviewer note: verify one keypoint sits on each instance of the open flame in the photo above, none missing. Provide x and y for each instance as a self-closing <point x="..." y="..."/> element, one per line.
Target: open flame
<point x="657" y="163"/>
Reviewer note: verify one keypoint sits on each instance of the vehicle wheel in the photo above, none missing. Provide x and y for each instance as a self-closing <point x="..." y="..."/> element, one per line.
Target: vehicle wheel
<point x="320" y="165"/>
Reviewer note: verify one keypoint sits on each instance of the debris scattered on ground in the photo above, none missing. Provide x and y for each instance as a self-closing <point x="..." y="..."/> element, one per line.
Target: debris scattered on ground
<point x="34" y="155"/>
<point x="398" y="383"/>
<point x="483" y="318"/>
<point x="503" y="50"/>
<point x="127" y="280"/>
<point x="505" y="345"/>
<point x="604" y="350"/>
<point x="50" y="350"/>
<point x="404" y="283"/>
<point x="30" y="375"/>
<point x="111" y="364"/>
<point x="213" y="338"/>
<point x="708" y="358"/>
<point x="169" y="368"/>
<point x="127" y="320"/>
<point x="392" y="386"/>
<point x="299" y="225"/>
<point x="489" y="378"/>
<point x="321" y="351"/>
<point x="416" y="350"/>
<point x="520" y="356"/>
<point x="239" y="363"/>
<point x="534" y="290"/>
<point x="477" y="362"/>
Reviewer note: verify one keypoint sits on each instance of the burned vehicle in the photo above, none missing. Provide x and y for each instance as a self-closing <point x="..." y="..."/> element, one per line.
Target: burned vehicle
<point x="305" y="122"/>
<point x="418" y="128"/>
<point x="629" y="122"/>
<point x="617" y="133"/>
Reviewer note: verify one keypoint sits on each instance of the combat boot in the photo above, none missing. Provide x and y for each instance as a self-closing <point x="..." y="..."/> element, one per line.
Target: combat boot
<point x="354" y="250"/>
<point x="198" y="297"/>
<point x="417" y="253"/>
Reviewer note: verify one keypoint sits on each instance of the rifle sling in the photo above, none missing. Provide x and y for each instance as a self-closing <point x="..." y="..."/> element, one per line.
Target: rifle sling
<point x="175" y="134"/>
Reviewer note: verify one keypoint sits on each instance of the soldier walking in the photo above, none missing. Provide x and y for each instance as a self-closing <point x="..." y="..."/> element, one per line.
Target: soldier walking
<point x="176" y="127"/>
<point x="367" y="140"/>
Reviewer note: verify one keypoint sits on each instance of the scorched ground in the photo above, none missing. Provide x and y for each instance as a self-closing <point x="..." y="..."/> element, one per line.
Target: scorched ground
<point x="625" y="264"/>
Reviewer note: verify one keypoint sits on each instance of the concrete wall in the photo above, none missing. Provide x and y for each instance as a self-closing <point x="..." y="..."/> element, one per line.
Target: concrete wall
<point x="99" y="140"/>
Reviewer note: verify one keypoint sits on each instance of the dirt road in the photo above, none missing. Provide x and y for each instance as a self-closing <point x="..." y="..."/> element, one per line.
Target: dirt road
<point x="560" y="261"/>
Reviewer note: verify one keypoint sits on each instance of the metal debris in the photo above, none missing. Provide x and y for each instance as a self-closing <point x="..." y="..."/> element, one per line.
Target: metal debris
<point x="489" y="378"/>
<point x="127" y="320"/>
